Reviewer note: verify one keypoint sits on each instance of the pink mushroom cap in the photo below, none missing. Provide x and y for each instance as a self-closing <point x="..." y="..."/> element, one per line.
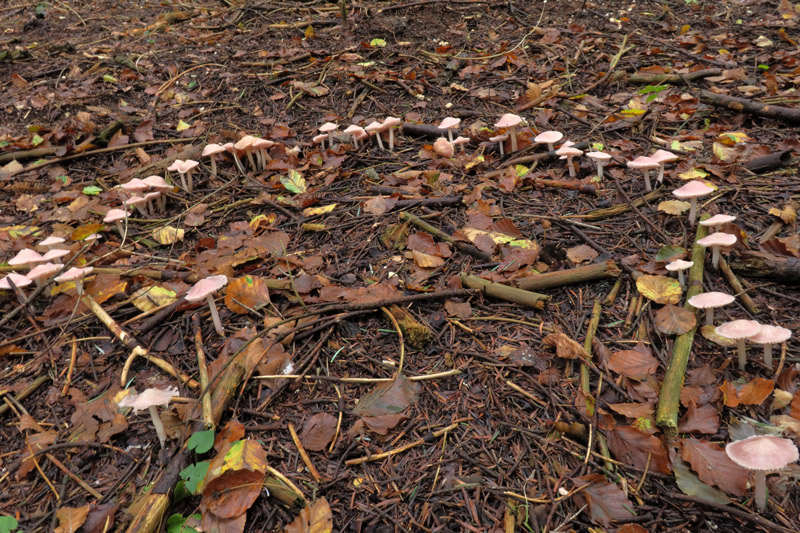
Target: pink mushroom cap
<point x="762" y="452"/>
<point x="679" y="264"/>
<point x="768" y="335"/>
<point x="548" y="137"/>
<point x="643" y="163"/>
<point x="148" y="398"/>
<point x="206" y="286"/>
<point x="739" y="329"/>
<point x="44" y="270"/>
<point x="693" y="189"/>
<point x="717" y="220"/>
<point x="18" y="279"/>
<point x="718" y="239"/>
<point x="26" y="256"/>
<point x="710" y="300"/>
<point x="663" y="156"/>
<point x="509" y="120"/>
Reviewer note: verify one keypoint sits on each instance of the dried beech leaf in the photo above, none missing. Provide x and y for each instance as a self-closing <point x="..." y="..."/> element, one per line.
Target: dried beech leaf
<point x="565" y="347"/>
<point x="674" y="320"/>
<point x="714" y="467"/>
<point x="634" y="364"/>
<point x="660" y="289"/>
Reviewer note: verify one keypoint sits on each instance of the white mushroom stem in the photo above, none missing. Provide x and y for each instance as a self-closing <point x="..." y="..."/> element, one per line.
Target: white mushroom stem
<point x="120" y="229"/>
<point x="761" y="490"/>
<point x="661" y="167"/>
<point x="330" y="139"/>
<point x="79" y="287"/>
<point x="681" y="280"/>
<point x="162" y="435"/>
<point x="569" y="157"/>
<point x="450" y="134"/>
<point x="189" y="179"/>
<point x="646" y="173"/>
<point x="391" y="139"/>
<point x="215" y="316"/>
<point x="380" y="141"/>
<point x="238" y="163"/>
<point x="768" y="355"/>
<point x="252" y="160"/>
<point x="551" y="147"/>
<point x="692" y="209"/>
<point x="214" y="166"/>
<point x="355" y="141"/>
<point x="715" y="257"/>
<point x="599" y="170"/>
<point x="710" y="316"/>
<point x="502" y="152"/>
<point x="162" y="201"/>
<point x="742" y="351"/>
<point x="265" y="156"/>
<point x="514" y="145"/>
<point x="150" y="209"/>
<point x="183" y="182"/>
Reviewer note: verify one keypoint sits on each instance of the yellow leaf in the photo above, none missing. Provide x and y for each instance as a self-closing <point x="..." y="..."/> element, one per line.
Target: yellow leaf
<point x="722" y="152"/>
<point x="321" y="210"/>
<point x="314" y="227"/>
<point x="316" y="518"/>
<point x="264" y="221"/>
<point x="152" y="297"/>
<point x="685" y="28"/>
<point x="660" y="289"/>
<point x="733" y="137"/>
<point x="427" y="261"/>
<point x="694" y="174"/>
<point x="182" y="126"/>
<point x="476" y="161"/>
<point x="788" y="214"/>
<point x="168" y="235"/>
<point x="246" y="454"/>
<point x="309" y="32"/>
<point x="673" y="207"/>
<point x="499" y="238"/>
<point x="19" y="231"/>
<point x="84" y="231"/>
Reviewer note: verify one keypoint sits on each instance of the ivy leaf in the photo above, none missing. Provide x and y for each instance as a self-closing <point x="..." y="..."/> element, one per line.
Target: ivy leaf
<point x="7" y="524"/>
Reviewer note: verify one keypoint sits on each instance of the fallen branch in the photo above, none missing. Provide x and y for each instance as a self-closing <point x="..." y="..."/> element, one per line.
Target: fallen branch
<point x="606" y="212"/>
<point x="763" y="265"/>
<point x="738" y="289"/>
<point x="674" y="79"/>
<point x="504" y="292"/>
<point x="549" y="280"/>
<point x="751" y="107"/>
<point x="439" y="234"/>
<point x="384" y="455"/>
<point x="669" y="399"/>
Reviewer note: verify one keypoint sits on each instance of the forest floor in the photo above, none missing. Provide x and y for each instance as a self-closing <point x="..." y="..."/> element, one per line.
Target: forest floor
<point x="376" y="374"/>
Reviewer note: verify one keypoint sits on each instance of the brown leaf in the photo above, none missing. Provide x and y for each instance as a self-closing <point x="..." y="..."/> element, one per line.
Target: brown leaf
<point x="752" y="393"/>
<point x="579" y="254"/>
<point x="318" y="431"/>
<point x="34" y="442"/>
<point x="606" y="501"/>
<point x="70" y="519"/>
<point x="246" y="292"/>
<point x="634" y="364"/>
<point x="714" y="467"/>
<point x="212" y="522"/>
<point x="100" y="518"/>
<point x="674" y="320"/>
<point x="316" y="518"/>
<point x="379" y="205"/>
<point x="565" y="347"/>
<point x="427" y="261"/>
<point x="632" y="410"/>
<point x="423" y="242"/>
<point x="461" y="310"/>
<point x="700" y="419"/>
<point x="388" y="398"/>
<point x="382" y="424"/>
<point x="635" y="448"/>
<point x="230" y="433"/>
<point x="232" y="493"/>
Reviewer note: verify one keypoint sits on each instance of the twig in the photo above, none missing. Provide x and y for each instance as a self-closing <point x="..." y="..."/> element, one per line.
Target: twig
<point x="738" y="289"/>
<point x="304" y="454"/>
<point x="202" y="370"/>
<point x="384" y="455"/>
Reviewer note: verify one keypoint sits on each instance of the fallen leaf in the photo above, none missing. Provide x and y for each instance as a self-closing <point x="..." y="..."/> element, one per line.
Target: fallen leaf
<point x="660" y="289"/>
<point x="314" y="211"/>
<point x="246" y="293"/>
<point x="388" y="398"/>
<point x="713" y="466"/>
<point x="670" y="252"/>
<point x="674" y="207"/>
<point x="315" y="518"/>
<point x="674" y="320"/>
<point x="638" y="449"/>
<point x="379" y="205"/>
<point x="427" y="261"/>
<point x="318" y="431"/>
<point x="709" y="332"/>
<point x="632" y="410"/>
<point x="691" y="485"/>
<point x="606" y="501"/>
<point x="382" y="424"/>
<point x="461" y="310"/>
<point x="700" y="419"/>
<point x="168" y="235"/>
<point x="152" y="297"/>
<point x="634" y="364"/>
<point x="565" y="347"/>
<point x="294" y="182"/>
<point x="70" y="519"/>
<point x="579" y="254"/>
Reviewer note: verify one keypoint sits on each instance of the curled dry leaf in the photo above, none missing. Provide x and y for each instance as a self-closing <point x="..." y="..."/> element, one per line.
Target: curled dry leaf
<point x="634" y="364"/>
<point x="754" y="392"/>
<point x="168" y="235"/>
<point x="674" y="207"/>
<point x="388" y="398"/>
<point x="426" y="261"/>
<point x="246" y="293"/>
<point x="709" y="333"/>
<point x="660" y="289"/>
<point x="674" y="320"/>
<point x="565" y="347"/>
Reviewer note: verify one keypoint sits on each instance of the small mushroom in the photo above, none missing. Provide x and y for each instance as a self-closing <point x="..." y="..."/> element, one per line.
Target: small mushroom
<point x="449" y="124"/>
<point x="18" y="281"/>
<point x="710" y="301"/>
<point x="231" y="149"/>
<point x="715" y="223"/>
<point x="51" y="241"/>
<point x="679" y="265"/>
<point x="500" y="140"/>
<point x="460" y="141"/>
<point x="739" y="331"/>
<point x="320" y="139"/>
<point x="159" y="184"/>
<point x="355" y="132"/>
<point x="135" y="186"/>
<point x="150" y="399"/>
<point x="55" y="254"/>
<point x="152" y="198"/>
<point x="645" y="164"/>
<point x="569" y="152"/>
<point x="262" y="146"/>
<point x="693" y="190"/>
<point x="245" y="146"/>
<point x="549" y="138"/>
<point x="768" y="336"/>
<point x="508" y="122"/>
<point x="75" y="274"/>
<point x="186" y="169"/>
<point x="376" y="128"/>
<point x="762" y="454"/>
<point x="42" y="272"/>
<point x="211" y="151"/>
<point x="205" y="289"/>
<point x="327" y="129"/>
<point x="602" y="158"/>
<point x="662" y="157"/>
<point x="137" y="202"/>
<point x="443" y="147"/>
<point x="391" y="123"/>
<point x="716" y="241"/>
<point x="27" y="257"/>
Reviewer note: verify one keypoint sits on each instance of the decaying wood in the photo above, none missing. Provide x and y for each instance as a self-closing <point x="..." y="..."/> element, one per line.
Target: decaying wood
<point x="770" y="162"/>
<point x="751" y="107"/>
<point x="416" y="334"/>
<point x="674" y="79"/>
<point x="738" y="289"/>
<point x="606" y="212"/>
<point x="763" y="265"/>
<point x="504" y="292"/>
<point x="549" y="280"/>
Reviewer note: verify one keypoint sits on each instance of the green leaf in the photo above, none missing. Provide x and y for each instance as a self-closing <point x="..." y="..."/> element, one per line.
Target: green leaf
<point x="63" y="179"/>
<point x="598" y="147"/>
<point x="666" y="253"/>
<point x="652" y="89"/>
<point x="521" y="170"/>
<point x="108" y="78"/>
<point x="7" y="524"/>
<point x="377" y="42"/>
<point x="182" y="126"/>
<point x="201" y="441"/>
<point x="194" y="474"/>
<point x="37" y="140"/>
<point x="177" y="523"/>
<point x="92" y="190"/>
<point x="294" y="182"/>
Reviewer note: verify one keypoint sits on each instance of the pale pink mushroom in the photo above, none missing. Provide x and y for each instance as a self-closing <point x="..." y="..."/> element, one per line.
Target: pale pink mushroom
<point x="231" y="149"/>
<point x="76" y="275"/>
<point x="262" y="146"/>
<point x="679" y="265"/>
<point x="715" y="241"/>
<point x="508" y="122"/>
<point x="762" y="454"/>
<point x="151" y="399"/>
<point x="320" y="139"/>
<point x="716" y="222"/>
<point x="449" y="124"/>
<point x="159" y="184"/>
<point x="601" y="158"/>
<point x="355" y="132"/>
<point x="186" y="169"/>
<point x="500" y="140"/>
<point x="51" y="241"/>
<point x="768" y="336"/>
<point x="211" y="151"/>
<point x="443" y="147"/>
<point x="116" y="216"/>
<point x="327" y="129"/>
<point x="18" y="280"/>
<point x="151" y="198"/>
<point x="550" y="138"/>
<point x="137" y="202"/>
<point x="662" y="157"/>
<point x="42" y="272"/>
<point x="739" y="331"/>
<point x="693" y="190"/>
<point x="27" y="257"/>
<point x="134" y="186"/>
<point x="710" y="301"/>
<point x="462" y="141"/>
<point x="391" y="123"/>
<point x="569" y="152"/>
<point x="245" y="146"/>
<point x="55" y="254"/>
<point x="205" y="289"/>
<point x="645" y="164"/>
<point x="376" y="128"/>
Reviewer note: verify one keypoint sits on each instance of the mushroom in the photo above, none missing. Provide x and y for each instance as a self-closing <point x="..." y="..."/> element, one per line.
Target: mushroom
<point x="679" y="265"/>
<point x="27" y="257"/>
<point x="159" y="184"/>
<point x="443" y="147"/>
<point x="327" y="129"/>
<point x="391" y="123"/>
<point x="262" y="146"/>
<point x="602" y="158"/>
<point x="449" y="124"/>
<point x="75" y="274"/>
<point x="211" y="151"/>
<point x="186" y="168"/>
<point x="569" y="152"/>
<point x="500" y="140"/>
<point x="762" y="454"/>
<point x="739" y="331"/>
<point x="137" y="202"/>
<point x="205" y="289"/>
<point x="549" y="138"/>
<point x="768" y="336"/>
<point x="43" y="271"/>
<point x="150" y="399"/>
<point x="710" y="301"/>
<point x="355" y="132"/>
<point x="460" y="141"/>
<point x="509" y="121"/>
<point x="135" y="185"/>
<point x="245" y="146"/>
<point x="231" y="149"/>
<point x="645" y="164"/>
<point x="320" y="139"/>
<point x="693" y="190"/>
<point x="55" y="255"/>
<point x="116" y="216"/>
<point x="715" y="241"/>
<point x="51" y="241"/>
<point x="151" y="198"/>
<point x="18" y="281"/>
<point x="376" y="127"/>
<point x="662" y="157"/>
<point x="715" y="223"/>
